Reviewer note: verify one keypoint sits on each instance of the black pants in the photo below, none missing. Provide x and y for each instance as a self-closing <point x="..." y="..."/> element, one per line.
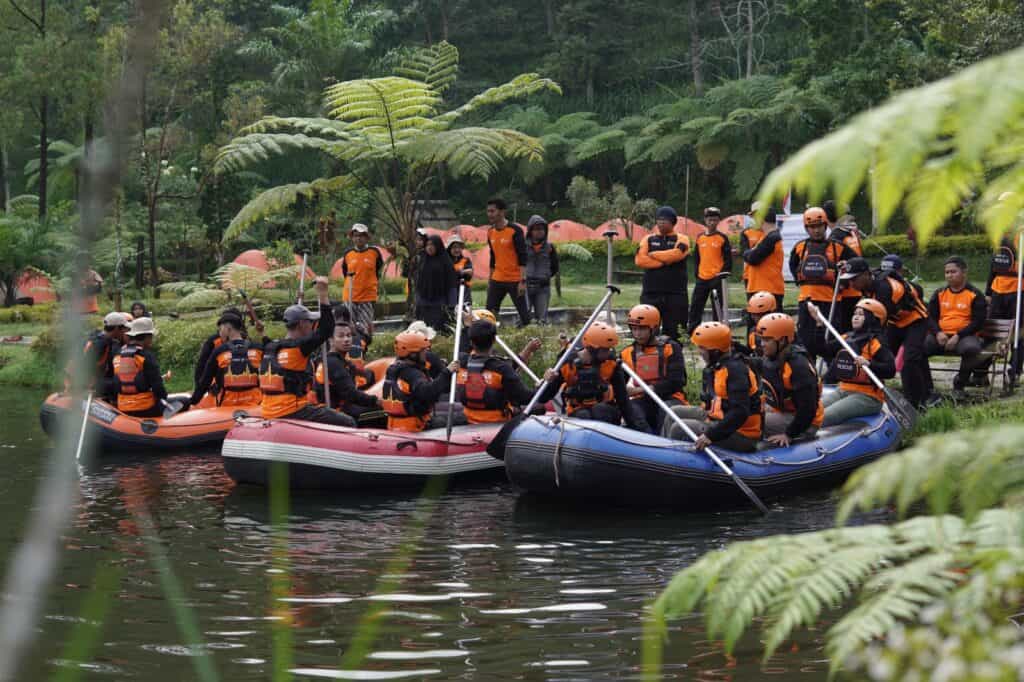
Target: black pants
<point x="371" y="417"/>
<point x="434" y="314"/>
<point x="439" y="419"/>
<point x="496" y="292"/>
<point x="602" y="412"/>
<point x="672" y="308"/>
<point x="654" y="415"/>
<point x="153" y="412"/>
<point x="916" y="374"/>
<point x="967" y="348"/>
<point x="321" y="415"/>
<point x="701" y="292"/>
<point x="812" y="336"/>
<point x="1004" y="307"/>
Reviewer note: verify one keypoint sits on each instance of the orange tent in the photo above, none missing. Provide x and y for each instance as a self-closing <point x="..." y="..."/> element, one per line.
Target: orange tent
<point x="34" y="284"/>
<point x="253" y="258"/>
<point x="481" y="262"/>
<point x="735" y="223"/>
<point x="693" y="229"/>
<point x="471" y="233"/>
<point x="568" y="231"/>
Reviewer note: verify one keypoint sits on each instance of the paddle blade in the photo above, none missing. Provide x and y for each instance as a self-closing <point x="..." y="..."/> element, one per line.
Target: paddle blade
<point x="496" y="448"/>
<point x="901" y="408"/>
<point x="749" y="493"/>
<point x="171" y="409"/>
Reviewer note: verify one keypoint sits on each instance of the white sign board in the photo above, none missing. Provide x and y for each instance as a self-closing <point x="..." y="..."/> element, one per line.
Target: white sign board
<point x="792" y="229"/>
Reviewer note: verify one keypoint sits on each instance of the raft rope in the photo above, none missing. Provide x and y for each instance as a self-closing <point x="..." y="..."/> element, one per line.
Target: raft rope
<point x="558" y="450"/>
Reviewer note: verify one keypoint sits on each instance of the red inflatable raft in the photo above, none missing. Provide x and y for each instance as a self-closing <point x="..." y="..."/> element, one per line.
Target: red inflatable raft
<point x="197" y="427"/>
<point x="335" y="457"/>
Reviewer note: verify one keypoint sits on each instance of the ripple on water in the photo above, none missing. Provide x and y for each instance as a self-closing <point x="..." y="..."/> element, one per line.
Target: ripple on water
<point x="557" y="608"/>
<point x="417" y="655"/>
<point x="364" y="674"/>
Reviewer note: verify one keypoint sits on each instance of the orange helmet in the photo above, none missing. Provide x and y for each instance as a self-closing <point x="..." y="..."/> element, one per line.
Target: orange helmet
<point x="777" y="326"/>
<point x="408" y="343"/>
<point x="644" y="315"/>
<point x="712" y="336"/>
<point x="815" y="215"/>
<point x="875" y="308"/>
<point x="601" y="335"/>
<point x="485" y="314"/>
<point x="762" y="302"/>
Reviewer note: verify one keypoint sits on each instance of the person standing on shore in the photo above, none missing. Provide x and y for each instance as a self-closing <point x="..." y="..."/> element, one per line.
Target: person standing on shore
<point x="361" y="267"/>
<point x="508" y="261"/>
<point x="712" y="261"/>
<point x="662" y="256"/>
<point x="541" y="266"/>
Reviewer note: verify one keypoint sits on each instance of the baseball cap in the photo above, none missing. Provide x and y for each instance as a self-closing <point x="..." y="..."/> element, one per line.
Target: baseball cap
<point x="115" y="320"/>
<point x="892" y="262"/>
<point x="712" y="210"/>
<point x="359" y="227"/>
<point x="854" y="267"/>
<point x="298" y="313"/>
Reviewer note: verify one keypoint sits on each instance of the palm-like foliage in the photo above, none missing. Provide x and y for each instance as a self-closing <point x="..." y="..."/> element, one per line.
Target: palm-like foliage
<point x="237" y="277"/>
<point x="387" y="134"/>
<point x="930" y="148"/>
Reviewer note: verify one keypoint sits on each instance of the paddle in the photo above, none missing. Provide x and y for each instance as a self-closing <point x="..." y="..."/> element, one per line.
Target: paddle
<point x="172" y="409"/>
<point x="85" y="423"/>
<point x="248" y="308"/>
<point x="302" y="278"/>
<point x="496" y="448"/>
<point x="831" y="316"/>
<point x="1015" y="353"/>
<point x="900" y="408"/>
<point x="693" y="436"/>
<point x="455" y="358"/>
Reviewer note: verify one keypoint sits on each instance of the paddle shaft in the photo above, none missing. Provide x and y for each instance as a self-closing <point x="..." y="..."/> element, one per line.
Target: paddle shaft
<point x="85" y="423"/>
<point x="1020" y="280"/>
<point x="849" y="349"/>
<point x="248" y="307"/>
<point x="693" y="436"/>
<point x="612" y="290"/>
<point x="831" y="316"/>
<point x="302" y="278"/>
<point x="455" y="357"/>
<point x="518" y="360"/>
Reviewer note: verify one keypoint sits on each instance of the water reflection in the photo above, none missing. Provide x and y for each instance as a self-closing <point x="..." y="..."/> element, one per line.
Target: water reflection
<point x="499" y="586"/>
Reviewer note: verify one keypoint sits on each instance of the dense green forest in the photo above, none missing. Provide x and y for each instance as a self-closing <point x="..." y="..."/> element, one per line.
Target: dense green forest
<point x="690" y="103"/>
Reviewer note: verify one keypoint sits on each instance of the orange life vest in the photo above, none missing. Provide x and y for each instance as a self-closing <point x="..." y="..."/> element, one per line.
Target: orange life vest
<point x="910" y="307"/>
<point x="854" y="378"/>
<point x="779" y="393"/>
<point x="586" y="385"/>
<point x="479" y="389"/>
<point x="239" y="363"/>
<point x="284" y="380"/>
<point x="816" y="272"/>
<point x="396" y="398"/>
<point x="650" y="363"/>
<point x="134" y="394"/>
<point x="717" y="401"/>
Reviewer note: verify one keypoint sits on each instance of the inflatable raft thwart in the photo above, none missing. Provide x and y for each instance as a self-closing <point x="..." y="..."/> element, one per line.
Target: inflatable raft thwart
<point x="197" y="427"/>
<point x="587" y="459"/>
<point x="326" y="457"/>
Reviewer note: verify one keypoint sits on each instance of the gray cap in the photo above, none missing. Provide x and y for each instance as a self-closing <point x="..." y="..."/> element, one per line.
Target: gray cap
<point x="115" y="320"/>
<point x="359" y="227"/>
<point x="536" y="220"/>
<point x="298" y="313"/>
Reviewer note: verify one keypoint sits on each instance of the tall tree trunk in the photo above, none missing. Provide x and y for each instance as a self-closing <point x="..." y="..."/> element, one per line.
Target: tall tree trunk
<point x="750" y="38"/>
<point x="82" y="174"/>
<point x="590" y="86"/>
<point x="443" y="6"/>
<point x="5" y="183"/>
<point x="140" y="263"/>
<point x="44" y="152"/>
<point x="154" y="275"/>
<point x="696" y="65"/>
<point x="549" y="15"/>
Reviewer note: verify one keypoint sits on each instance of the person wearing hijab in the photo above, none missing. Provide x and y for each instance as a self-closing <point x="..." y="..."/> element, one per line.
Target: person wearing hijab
<point x="436" y="285"/>
<point x="138" y="310"/>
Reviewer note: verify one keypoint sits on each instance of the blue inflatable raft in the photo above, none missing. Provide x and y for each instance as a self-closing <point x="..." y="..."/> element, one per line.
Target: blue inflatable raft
<point x="592" y="460"/>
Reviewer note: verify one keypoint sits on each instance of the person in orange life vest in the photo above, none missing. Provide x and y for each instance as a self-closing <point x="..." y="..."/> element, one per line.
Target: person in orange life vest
<point x="662" y="256"/>
<point x="907" y="321"/>
<point x="140" y="386"/>
<point x="541" y="267"/>
<point x="409" y="396"/>
<point x="362" y="264"/>
<point x="1001" y="290"/>
<point x="362" y="337"/>
<point x="956" y="313"/>
<point x="508" y="261"/>
<point x="733" y="413"/>
<point x="433" y="363"/>
<point x="462" y="265"/>
<point x="593" y="384"/>
<point x="814" y="264"/>
<point x="763" y="255"/>
<point x="488" y="386"/>
<point x="792" y="387"/>
<point x="215" y="341"/>
<point x="347" y="381"/>
<point x="712" y="256"/>
<point x="759" y="305"/>
<point x="285" y="374"/>
<point x="232" y="369"/>
<point x="845" y="232"/>
<point x="658" y="360"/>
<point x="99" y="351"/>
<point x="92" y="286"/>
<point x="856" y="395"/>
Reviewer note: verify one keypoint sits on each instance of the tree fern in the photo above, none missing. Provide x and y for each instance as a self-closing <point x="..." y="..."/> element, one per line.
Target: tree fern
<point x="519" y="87"/>
<point x="250" y="150"/>
<point x="574" y="251"/>
<point x="277" y="199"/>
<point x="967" y="121"/>
<point x="436" y="66"/>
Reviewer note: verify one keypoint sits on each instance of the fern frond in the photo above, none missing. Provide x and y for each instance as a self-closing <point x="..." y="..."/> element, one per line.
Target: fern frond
<point x="521" y="86"/>
<point x="313" y="127"/>
<point x="474" y="151"/>
<point x="606" y="142"/>
<point x="183" y="288"/>
<point x="574" y="251"/>
<point x="277" y="199"/>
<point x="202" y="300"/>
<point x="437" y="66"/>
<point x="380" y="105"/>
<point x="969" y="470"/>
<point x="249" y="150"/>
<point x="911" y="130"/>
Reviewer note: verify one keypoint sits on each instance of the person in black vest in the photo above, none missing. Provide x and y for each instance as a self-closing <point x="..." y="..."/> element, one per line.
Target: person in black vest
<point x="541" y="266"/>
<point x="488" y="386"/>
<point x="232" y="369"/>
<point x="1001" y="292"/>
<point x="409" y="396"/>
<point x="662" y="256"/>
<point x="346" y="381"/>
<point x="99" y="351"/>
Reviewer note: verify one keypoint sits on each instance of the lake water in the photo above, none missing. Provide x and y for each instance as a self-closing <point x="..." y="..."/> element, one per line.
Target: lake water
<point x="498" y="586"/>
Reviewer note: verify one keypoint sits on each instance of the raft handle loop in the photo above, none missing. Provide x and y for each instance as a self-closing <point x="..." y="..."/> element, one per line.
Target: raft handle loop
<point x="373" y="436"/>
<point x="401" y="445"/>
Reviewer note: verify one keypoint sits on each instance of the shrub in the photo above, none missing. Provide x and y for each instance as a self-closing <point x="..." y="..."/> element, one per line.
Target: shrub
<point x="42" y="313"/>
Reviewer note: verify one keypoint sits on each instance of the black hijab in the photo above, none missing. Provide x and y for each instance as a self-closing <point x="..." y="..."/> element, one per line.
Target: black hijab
<point x="436" y="277"/>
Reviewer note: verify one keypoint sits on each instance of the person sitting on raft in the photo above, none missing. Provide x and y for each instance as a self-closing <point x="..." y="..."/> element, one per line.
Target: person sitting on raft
<point x="856" y="396"/>
<point x="140" y="386"/>
<point x="214" y="342"/>
<point x="658" y="360"/>
<point x="347" y="381"/>
<point x="285" y="374"/>
<point x="760" y="304"/>
<point x="733" y="412"/>
<point x="433" y="364"/>
<point x="487" y="385"/>
<point x="792" y="387"/>
<point x="99" y="351"/>
<point x="409" y="394"/>
<point x="531" y="347"/>
<point x="594" y="383"/>
<point x="362" y="337"/>
<point x="232" y="370"/>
